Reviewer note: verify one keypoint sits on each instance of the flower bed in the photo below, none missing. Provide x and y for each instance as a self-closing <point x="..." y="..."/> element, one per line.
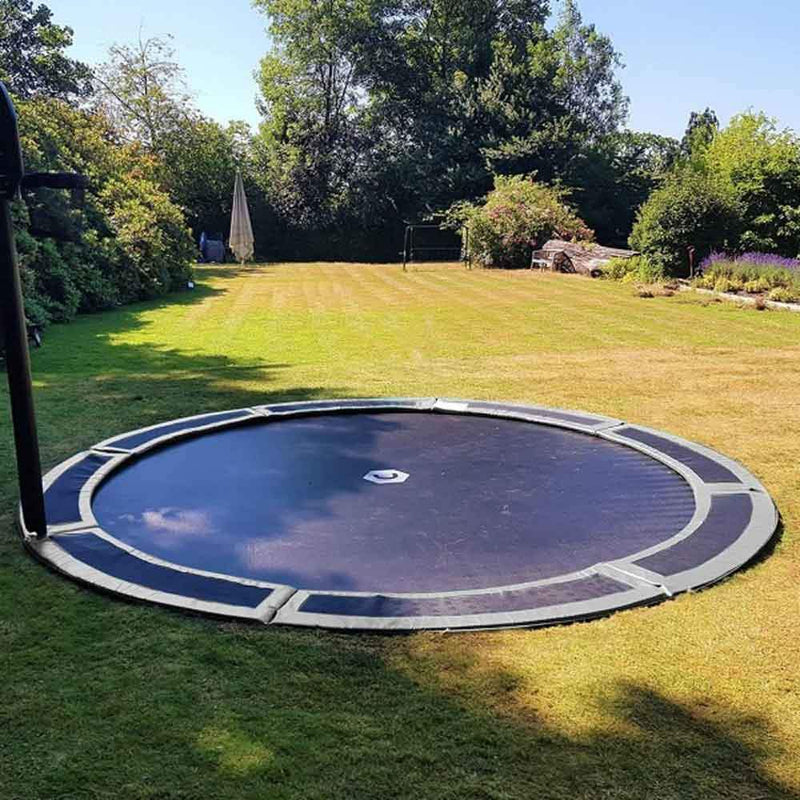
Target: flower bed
<point x="756" y="274"/>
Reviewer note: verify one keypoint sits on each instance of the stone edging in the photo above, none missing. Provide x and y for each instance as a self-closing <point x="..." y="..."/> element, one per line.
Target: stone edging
<point x="737" y="298"/>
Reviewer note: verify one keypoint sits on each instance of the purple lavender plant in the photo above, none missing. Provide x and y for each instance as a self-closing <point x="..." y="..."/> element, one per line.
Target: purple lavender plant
<point x="715" y="258"/>
<point x="767" y="260"/>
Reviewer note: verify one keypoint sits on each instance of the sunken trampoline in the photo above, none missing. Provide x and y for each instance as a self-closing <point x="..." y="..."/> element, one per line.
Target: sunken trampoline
<point x="402" y="515"/>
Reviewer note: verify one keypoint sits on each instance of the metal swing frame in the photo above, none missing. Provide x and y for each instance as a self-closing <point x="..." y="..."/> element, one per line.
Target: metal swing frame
<point x="409" y="250"/>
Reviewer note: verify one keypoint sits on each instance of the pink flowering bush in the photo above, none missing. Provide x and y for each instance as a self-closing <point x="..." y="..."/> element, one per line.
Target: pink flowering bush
<point x="515" y="219"/>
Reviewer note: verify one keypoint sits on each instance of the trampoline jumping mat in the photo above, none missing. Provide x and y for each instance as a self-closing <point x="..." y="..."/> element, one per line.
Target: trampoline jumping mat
<point x="401" y="515"/>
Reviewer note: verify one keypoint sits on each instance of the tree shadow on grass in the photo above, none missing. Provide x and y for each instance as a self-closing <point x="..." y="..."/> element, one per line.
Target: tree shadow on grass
<point x="96" y="381"/>
<point x="171" y="708"/>
<point x="226" y="271"/>
<point x="90" y="383"/>
<point x="399" y="737"/>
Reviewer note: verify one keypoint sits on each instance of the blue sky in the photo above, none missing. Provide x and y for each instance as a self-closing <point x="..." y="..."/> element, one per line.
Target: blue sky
<point x="681" y="55"/>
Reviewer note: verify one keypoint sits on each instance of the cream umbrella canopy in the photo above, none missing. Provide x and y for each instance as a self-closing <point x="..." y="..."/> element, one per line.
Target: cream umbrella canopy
<point x="241" y="240"/>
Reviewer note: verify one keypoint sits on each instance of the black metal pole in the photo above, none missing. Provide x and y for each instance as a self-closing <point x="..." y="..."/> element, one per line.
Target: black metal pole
<point x="12" y="314"/>
<point x="18" y="365"/>
<point x="14" y="330"/>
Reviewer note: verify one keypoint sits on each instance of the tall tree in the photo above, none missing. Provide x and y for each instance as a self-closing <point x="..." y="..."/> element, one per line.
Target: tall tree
<point x="312" y="98"/>
<point x="198" y="168"/>
<point x="432" y="76"/>
<point x="32" y="54"/>
<point x="142" y="89"/>
<point x="700" y="132"/>
<point x="738" y="193"/>
<point x="420" y="101"/>
<point x="761" y="166"/>
<point x="614" y="176"/>
<point x="557" y="97"/>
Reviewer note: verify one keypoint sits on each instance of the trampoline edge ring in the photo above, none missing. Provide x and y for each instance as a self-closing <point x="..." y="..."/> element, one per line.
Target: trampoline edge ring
<point x="734" y="519"/>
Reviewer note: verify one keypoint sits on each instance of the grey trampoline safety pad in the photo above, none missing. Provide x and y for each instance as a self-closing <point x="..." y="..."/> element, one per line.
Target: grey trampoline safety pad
<point x="401" y="515"/>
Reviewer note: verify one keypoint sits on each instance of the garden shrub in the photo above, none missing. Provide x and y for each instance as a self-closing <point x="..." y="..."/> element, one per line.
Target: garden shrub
<point x="755" y="273"/>
<point x="724" y="285"/>
<point x="649" y="271"/>
<point x="127" y="241"/>
<point x="690" y="209"/>
<point x="757" y="286"/>
<point x="782" y="294"/>
<point x="637" y="269"/>
<point x="516" y="218"/>
<point x="617" y="268"/>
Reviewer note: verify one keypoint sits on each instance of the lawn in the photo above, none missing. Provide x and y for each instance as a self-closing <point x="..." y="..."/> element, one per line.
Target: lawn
<point x="695" y="698"/>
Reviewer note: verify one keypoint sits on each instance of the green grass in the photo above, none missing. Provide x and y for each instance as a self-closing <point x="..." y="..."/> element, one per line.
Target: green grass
<point x="696" y="698"/>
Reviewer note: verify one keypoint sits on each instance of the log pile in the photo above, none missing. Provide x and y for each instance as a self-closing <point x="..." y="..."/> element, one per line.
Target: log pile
<point x="577" y="257"/>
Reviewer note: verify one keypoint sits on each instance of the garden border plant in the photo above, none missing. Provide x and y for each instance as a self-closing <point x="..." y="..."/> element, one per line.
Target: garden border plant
<point x="763" y="275"/>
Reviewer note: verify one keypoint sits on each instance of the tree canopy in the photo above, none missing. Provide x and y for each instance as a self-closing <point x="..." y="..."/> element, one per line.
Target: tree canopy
<point x="702" y="127"/>
<point x="738" y="190"/>
<point x="414" y="104"/>
<point x="760" y="165"/>
<point x="32" y="54"/>
<point x="142" y="90"/>
<point x="128" y="241"/>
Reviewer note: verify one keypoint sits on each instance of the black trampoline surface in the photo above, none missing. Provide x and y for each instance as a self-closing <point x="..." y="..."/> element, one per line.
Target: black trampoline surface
<point x="402" y="514"/>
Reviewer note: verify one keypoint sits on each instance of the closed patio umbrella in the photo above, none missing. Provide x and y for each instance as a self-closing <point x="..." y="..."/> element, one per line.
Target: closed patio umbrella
<point x="241" y="241"/>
